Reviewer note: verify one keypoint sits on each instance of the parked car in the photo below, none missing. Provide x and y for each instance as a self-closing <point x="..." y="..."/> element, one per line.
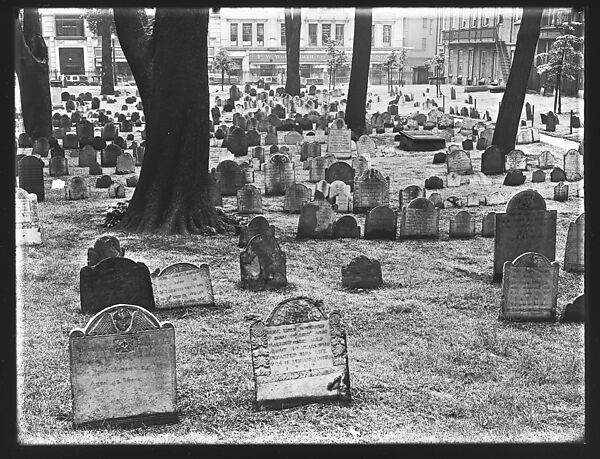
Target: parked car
<point x="310" y="81"/>
<point x="76" y="80"/>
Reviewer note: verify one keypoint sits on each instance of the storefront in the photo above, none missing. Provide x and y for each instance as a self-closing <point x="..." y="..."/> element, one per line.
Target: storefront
<point x="312" y="65"/>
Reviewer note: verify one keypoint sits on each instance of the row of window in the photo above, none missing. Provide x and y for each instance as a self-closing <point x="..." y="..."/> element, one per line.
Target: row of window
<point x="326" y="34"/>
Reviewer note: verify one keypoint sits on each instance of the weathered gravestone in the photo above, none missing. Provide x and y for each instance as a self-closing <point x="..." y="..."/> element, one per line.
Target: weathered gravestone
<point x="316" y="221"/>
<point x="538" y="176"/>
<point x="406" y="195"/>
<point x="104" y="247"/>
<point x="113" y="281"/>
<point x="237" y="143"/>
<point x="181" y="285"/>
<point x="529" y="288"/>
<point x="440" y="158"/>
<point x="322" y="188"/>
<point x="420" y="219"/>
<point x="310" y="150"/>
<point x="488" y="225"/>
<point x="459" y="161"/>
<point x="31" y="176"/>
<point x="279" y="174"/>
<point x="381" y="223"/>
<point x="551" y="121"/>
<point x="573" y="165"/>
<point x="104" y="182"/>
<point x="575" y="311"/>
<point x="58" y="166"/>
<point x="340" y="171"/>
<point x="363" y="273"/>
<point x="230" y="177"/>
<point x="109" y="131"/>
<point x="123" y="369"/>
<point x="109" y="156"/>
<point x="371" y="190"/>
<point x="515" y="160"/>
<point x="27" y="227"/>
<point x="341" y="196"/>
<point x="437" y="200"/>
<point x="249" y="200"/>
<point x="346" y="227"/>
<point x="366" y="147"/>
<point x="292" y="138"/>
<point x="262" y="264"/>
<point x="561" y="192"/>
<point x="514" y="178"/>
<point x="131" y="182"/>
<point x="558" y="175"/>
<point x="546" y="160"/>
<point x="496" y="198"/>
<point x="299" y="356"/>
<point x="526" y="226"/>
<point x="360" y="164"/>
<point x="492" y="160"/>
<point x="574" y="260"/>
<point x="77" y="189"/>
<point x="434" y="183"/>
<point x="125" y="164"/>
<point x="462" y="225"/>
<point x="116" y="190"/>
<point x="258" y="225"/>
<point x="317" y="167"/>
<point x="296" y="196"/>
<point x="87" y="156"/>
<point x="338" y="140"/>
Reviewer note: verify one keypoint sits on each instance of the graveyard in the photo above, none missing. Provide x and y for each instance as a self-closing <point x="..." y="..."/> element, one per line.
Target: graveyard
<point x="431" y="344"/>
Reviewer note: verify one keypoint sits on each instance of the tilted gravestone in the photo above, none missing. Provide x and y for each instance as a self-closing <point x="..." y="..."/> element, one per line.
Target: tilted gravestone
<point x="529" y="288"/>
<point x="346" y="227"/>
<point x="573" y="165"/>
<point x="381" y="223"/>
<point x="77" y="188"/>
<point x="558" y="175"/>
<point x="104" y="247"/>
<point x="316" y="221"/>
<point x="296" y="196"/>
<point x="123" y="369"/>
<point x="230" y="177"/>
<point x="561" y="192"/>
<point x="419" y="219"/>
<point x="492" y="160"/>
<point x="514" y="178"/>
<point x="462" y="225"/>
<point x="574" y="311"/>
<point x="371" y="190"/>
<point x="27" y="227"/>
<point x="363" y="273"/>
<point x="262" y="264"/>
<point x="292" y="138"/>
<point x="182" y="285"/>
<point x="538" y="176"/>
<point x="299" y="356"/>
<point x="125" y="164"/>
<point x="406" y="195"/>
<point x="574" y="260"/>
<point x="258" y="225"/>
<point x="249" y="200"/>
<point x="526" y="226"/>
<point x="279" y="174"/>
<point x="488" y="225"/>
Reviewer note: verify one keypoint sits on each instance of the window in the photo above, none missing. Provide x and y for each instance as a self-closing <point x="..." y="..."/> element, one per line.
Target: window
<point x="464" y="24"/>
<point x="246" y="34"/>
<point x="69" y="26"/>
<point x="460" y="62"/>
<point x="325" y="33"/>
<point x="487" y="21"/>
<point x="474" y="22"/>
<point x="339" y="33"/>
<point x="283" y="34"/>
<point x="71" y="61"/>
<point x="233" y="35"/>
<point x="312" y="34"/>
<point x="260" y="34"/>
<point x="387" y="35"/>
<point x="424" y="23"/>
<point x="423" y="43"/>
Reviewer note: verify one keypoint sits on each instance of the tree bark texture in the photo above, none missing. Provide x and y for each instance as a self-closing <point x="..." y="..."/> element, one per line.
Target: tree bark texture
<point x="172" y="195"/>
<point x="107" y="75"/>
<point x="509" y="114"/>
<point x="31" y="67"/>
<point x="356" y="108"/>
<point x="292" y="48"/>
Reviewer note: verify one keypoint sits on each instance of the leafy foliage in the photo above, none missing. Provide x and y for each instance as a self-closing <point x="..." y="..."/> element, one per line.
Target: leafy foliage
<point x="565" y="56"/>
<point x="95" y="16"/>
<point x="222" y="62"/>
<point x="435" y="63"/>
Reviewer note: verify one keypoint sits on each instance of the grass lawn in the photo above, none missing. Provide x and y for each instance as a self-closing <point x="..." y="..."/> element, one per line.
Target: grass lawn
<point x="429" y="360"/>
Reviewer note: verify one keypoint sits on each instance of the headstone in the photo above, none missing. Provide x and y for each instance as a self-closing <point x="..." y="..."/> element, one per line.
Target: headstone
<point x="116" y="190"/>
<point x="109" y="131"/>
<point x="292" y="138"/>
<point x="31" y="176"/>
<point x="279" y="174"/>
<point x="58" y="166"/>
<point x="27" y="228"/>
<point x="87" y="156"/>
<point x="24" y="141"/>
<point x="526" y="226"/>
<point x="575" y="311"/>
<point x="436" y="200"/>
<point x="108" y="156"/>
<point x="381" y="223"/>
<point x="249" y="200"/>
<point x="574" y="260"/>
<point x="459" y="161"/>
<point x="237" y="142"/>
<point x="366" y="147"/>
<point x="114" y="281"/>
<point x="346" y="227"/>
<point x="515" y="160"/>
<point x="230" y="177"/>
<point x="317" y="167"/>
<point x="182" y="285"/>
<point x="551" y="122"/>
<point x="262" y="264"/>
<point x="371" y="190"/>
<point x="406" y="195"/>
<point x="316" y="221"/>
<point x="440" y="158"/>
<point x="125" y="164"/>
<point x="104" y="182"/>
<point x="538" y="176"/>
<point x="338" y="140"/>
<point x="258" y="225"/>
<point x="310" y="150"/>
<point x="299" y="356"/>
<point x="529" y="288"/>
<point x="546" y="160"/>
<point x="340" y="171"/>
<point x="420" y="219"/>
<point x="296" y="196"/>
<point x="514" y="178"/>
<point x="362" y="273"/>
<point x="488" y="225"/>
<point x="341" y="196"/>
<point x="123" y="369"/>
<point x="322" y="187"/>
<point x="492" y="160"/>
<point x="360" y="164"/>
<point x="104" y="247"/>
<point x="573" y="165"/>
<point x="558" y="175"/>
<point x="496" y="198"/>
<point x="479" y="178"/>
<point x="462" y="225"/>
<point x="561" y="192"/>
<point x="77" y="189"/>
<point x="434" y="183"/>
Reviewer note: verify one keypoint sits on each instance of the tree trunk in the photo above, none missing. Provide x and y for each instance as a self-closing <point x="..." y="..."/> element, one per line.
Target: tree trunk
<point x="222" y="79"/>
<point x="292" y="49"/>
<point x="559" y="80"/>
<point x="31" y="67"/>
<point x="509" y="115"/>
<point x="356" y="108"/>
<point x="108" y="81"/>
<point x="172" y="195"/>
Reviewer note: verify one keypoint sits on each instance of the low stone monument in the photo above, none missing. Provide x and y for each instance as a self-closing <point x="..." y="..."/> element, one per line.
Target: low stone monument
<point x="182" y="285"/>
<point x="381" y="223"/>
<point x="249" y="200"/>
<point x="316" y="221"/>
<point x="363" y="273"/>
<point x="346" y="227"/>
<point x="462" y="225"/>
<point x="419" y="220"/>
